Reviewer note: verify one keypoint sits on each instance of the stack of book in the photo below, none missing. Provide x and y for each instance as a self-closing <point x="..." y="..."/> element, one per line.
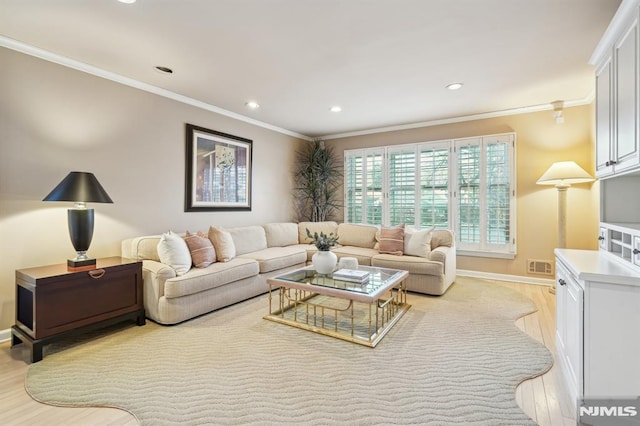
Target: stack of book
<point x="351" y="275"/>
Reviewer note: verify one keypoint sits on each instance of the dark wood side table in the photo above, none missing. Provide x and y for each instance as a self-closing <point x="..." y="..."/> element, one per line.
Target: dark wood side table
<point x="52" y="302"/>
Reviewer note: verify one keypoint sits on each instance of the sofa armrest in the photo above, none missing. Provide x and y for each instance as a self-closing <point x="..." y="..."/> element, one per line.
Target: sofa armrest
<point x="156" y="274"/>
<point x="446" y="256"/>
<point x="439" y="254"/>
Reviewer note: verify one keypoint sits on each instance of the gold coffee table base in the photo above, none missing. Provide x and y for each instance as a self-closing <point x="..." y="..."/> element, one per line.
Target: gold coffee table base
<point x="357" y="322"/>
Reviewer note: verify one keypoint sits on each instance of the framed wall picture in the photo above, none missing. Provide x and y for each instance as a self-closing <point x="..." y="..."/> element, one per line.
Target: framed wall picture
<point x="218" y="171"/>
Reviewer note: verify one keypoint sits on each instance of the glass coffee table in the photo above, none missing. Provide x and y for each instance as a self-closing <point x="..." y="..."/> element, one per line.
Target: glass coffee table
<point x="356" y="312"/>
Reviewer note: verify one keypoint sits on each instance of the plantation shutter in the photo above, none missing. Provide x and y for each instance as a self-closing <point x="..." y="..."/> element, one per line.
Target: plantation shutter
<point x="499" y="193"/>
<point x="434" y="185"/>
<point x="469" y="198"/>
<point x="363" y="175"/>
<point x="403" y="202"/>
<point x="353" y="184"/>
<point x="484" y="193"/>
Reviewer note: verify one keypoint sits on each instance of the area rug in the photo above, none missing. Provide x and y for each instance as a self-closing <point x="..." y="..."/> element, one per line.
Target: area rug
<point x="451" y="360"/>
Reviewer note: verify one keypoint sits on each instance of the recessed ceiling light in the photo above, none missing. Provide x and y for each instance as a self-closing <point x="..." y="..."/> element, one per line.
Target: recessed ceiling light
<point x="164" y="70"/>
<point x="252" y="104"/>
<point x="127" y="1"/>
<point x="335" y="108"/>
<point x="454" y="86"/>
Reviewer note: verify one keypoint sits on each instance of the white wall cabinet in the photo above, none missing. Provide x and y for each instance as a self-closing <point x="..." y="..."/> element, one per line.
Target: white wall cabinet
<point x="604" y="119"/>
<point x="617" y="95"/>
<point x="597" y="324"/>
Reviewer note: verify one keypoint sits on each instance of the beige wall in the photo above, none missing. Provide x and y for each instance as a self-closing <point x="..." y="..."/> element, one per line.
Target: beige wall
<point x="540" y="143"/>
<point x="54" y="120"/>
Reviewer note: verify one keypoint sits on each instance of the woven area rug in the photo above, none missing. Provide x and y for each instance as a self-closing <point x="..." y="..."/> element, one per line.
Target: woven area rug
<point x="454" y="359"/>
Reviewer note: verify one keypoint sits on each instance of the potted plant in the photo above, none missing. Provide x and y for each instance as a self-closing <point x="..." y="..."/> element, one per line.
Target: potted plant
<point x="318" y="182"/>
<point x="324" y="261"/>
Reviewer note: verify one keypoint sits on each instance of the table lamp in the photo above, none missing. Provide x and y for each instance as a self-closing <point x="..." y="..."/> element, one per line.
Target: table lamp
<point x="80" y="188"/>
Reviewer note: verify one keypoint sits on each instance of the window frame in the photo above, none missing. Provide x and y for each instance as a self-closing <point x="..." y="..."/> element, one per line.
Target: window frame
<point x="483" y="248"/>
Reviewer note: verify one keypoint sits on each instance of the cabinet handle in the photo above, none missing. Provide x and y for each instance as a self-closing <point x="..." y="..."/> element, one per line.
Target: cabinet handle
<point x="611" y="163"/>
<point x="600" y="238"/>
<point x="97" y="273"/>
<point x="636" y="251"/>
<point x="562" y="282"/>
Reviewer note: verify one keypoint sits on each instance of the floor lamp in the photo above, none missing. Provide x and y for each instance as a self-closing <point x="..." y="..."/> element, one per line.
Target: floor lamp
<point x="562" y="175"/>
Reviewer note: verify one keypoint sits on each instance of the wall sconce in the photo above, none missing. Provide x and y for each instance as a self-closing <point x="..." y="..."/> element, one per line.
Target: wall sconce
<point x="557" y="111"/>
<point x="81" y="188"/>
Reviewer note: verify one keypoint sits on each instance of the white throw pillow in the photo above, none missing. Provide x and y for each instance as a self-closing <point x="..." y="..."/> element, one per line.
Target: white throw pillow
<point x="417" y="242"/>
<point x="173" y="251"/>
<point x="223" y="244"/>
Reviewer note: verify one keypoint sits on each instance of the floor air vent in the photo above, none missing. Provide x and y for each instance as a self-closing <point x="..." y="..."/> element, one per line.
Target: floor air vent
<point x="543" y="267"/>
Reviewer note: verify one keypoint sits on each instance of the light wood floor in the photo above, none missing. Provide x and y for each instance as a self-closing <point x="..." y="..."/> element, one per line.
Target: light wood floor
<point x="544" y="398"/>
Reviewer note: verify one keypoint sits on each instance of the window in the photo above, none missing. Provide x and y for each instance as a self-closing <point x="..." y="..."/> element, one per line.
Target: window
<point x="466" y="185"/>
<point x="363" y="186"/>
<point x="485" y="194"/>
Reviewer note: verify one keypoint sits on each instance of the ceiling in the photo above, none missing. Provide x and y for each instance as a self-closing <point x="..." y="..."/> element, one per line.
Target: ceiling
<point x="385" y="62"/>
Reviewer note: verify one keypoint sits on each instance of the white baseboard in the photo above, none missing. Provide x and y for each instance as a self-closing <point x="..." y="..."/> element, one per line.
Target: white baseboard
<point x="503" y="277"/>
<point x="5" y="335"/>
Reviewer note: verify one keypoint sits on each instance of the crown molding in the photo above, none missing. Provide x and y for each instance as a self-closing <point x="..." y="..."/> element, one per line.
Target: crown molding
<point x="514" y="111"/>
<point x="98" y="72"/>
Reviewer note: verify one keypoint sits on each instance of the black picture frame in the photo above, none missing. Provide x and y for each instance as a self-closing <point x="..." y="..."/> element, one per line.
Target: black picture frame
<point x="217" y="171"/>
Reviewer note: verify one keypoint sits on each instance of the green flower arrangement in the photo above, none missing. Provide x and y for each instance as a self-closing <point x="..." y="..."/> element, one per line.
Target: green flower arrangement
<point x="322" y="241"/>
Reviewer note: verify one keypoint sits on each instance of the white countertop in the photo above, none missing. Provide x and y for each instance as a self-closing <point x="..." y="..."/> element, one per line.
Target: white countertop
<point x="597" y="265"/>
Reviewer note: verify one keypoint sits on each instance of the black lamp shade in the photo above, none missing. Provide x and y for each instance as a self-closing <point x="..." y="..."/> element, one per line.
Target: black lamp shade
<point x="79" y="187"/>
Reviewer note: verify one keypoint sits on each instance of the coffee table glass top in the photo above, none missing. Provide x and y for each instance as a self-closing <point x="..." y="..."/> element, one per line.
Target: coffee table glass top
<point x="378" y="277"/>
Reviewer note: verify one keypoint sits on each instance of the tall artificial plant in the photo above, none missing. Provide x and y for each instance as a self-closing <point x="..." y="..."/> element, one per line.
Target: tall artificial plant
<point x="318" y="178"/>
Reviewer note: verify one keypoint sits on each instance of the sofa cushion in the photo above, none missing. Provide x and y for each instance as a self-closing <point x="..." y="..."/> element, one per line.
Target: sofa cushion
<point x="417" y="242"/>
<point x="392" y="240"/>
<point x="281" y="234"/>
<point x="274" y="258"/>
<point x="201" y="249"/>
<point x="363" y="254"/>
<point x="247" y="239"/>
<point x="351" y="234"/>
<point x="310" y="249"/>
<point x="173" y="251"/>
<point x="326" y="227"/>
<point x="223" y="244"/>
<point x="415" y="265"/>
<point x="214" y="275"/>
<point x="141" y="248"/>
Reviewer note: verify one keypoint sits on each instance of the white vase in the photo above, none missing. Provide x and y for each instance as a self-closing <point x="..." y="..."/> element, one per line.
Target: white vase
<point x="324" y="262"/>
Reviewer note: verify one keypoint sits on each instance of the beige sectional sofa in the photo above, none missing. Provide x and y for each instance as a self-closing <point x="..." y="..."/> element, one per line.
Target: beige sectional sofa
<point x="268" y="250"/>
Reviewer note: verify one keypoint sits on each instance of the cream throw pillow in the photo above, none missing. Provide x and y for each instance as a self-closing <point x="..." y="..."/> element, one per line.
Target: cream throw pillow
<point x="223" y="244"/>
<point x="173" y="251"/>
<point x="201" y="249"/>
<point x="417" y="242"/>
<point x="392" y="240"/>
